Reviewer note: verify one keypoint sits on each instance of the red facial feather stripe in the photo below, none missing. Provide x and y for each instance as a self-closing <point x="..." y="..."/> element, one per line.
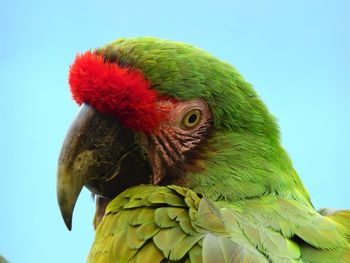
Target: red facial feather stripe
<point x="116" y="90"/>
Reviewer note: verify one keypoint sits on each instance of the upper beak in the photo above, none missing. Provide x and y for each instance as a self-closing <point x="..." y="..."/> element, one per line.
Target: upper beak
<point x="100" y="154"/>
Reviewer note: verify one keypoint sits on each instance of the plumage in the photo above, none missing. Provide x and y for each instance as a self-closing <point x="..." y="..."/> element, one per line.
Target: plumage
<point x="267" y="230"/>
<point x="202" y="177"/>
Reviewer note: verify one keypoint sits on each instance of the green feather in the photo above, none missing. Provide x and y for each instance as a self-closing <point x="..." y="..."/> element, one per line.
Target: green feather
<point x="257" y="230"/>
<point x="243" y="203"/>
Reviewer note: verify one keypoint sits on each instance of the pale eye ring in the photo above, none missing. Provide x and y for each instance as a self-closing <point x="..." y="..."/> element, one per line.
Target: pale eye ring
<point x="191" y="118"/>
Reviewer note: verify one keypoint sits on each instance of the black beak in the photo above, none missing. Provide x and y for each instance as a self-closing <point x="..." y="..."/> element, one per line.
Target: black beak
<point x="100" y="154"/>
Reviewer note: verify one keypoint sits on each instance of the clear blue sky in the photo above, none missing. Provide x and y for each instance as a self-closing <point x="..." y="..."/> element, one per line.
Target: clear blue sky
<point x="296" y="54"/>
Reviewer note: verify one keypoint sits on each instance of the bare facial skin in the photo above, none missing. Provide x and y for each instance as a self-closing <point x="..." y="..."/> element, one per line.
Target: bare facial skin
<point x="185" y="128"/>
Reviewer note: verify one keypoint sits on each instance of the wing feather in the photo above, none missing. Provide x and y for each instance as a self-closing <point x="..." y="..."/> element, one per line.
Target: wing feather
<point x="150" y="223"/>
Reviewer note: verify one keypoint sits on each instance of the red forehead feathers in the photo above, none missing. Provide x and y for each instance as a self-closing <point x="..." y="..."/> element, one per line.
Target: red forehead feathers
<point x="119" y="91"/>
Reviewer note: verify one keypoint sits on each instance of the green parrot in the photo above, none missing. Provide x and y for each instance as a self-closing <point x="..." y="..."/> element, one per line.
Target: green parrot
<point x="186" y="164"/>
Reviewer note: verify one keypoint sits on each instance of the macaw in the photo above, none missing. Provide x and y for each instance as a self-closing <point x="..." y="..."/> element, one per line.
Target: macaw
<point x="186" y="164"/>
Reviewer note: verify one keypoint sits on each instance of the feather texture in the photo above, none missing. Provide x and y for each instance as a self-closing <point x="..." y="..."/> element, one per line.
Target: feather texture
<point x="150" y="223"/>
<point x="243" y="200"/>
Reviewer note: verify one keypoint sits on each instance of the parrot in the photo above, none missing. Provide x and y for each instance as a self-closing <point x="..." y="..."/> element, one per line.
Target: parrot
<point x="185" y="163"/>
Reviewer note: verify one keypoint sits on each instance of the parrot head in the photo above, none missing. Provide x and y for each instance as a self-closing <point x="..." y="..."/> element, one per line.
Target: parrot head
<point x="162" y="112"/>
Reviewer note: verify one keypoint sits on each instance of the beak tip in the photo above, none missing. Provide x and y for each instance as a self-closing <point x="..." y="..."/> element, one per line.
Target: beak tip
<point x="67" y="215"/>
<point x="67" y="194"/>
<point x="68" y="223"/>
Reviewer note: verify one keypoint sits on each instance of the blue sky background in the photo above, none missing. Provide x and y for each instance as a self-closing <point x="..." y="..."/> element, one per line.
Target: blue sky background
<point x="295" y="53"/>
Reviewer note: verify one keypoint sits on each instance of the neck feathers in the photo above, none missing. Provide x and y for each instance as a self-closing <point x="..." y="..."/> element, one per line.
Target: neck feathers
<point x="243" y="166"/>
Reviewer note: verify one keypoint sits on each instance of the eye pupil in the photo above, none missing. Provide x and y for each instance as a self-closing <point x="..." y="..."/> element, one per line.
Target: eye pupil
<point x="192" y="118"/>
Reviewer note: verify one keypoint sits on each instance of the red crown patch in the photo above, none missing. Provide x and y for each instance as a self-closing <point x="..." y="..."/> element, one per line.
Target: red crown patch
<point x="120" y="91"/>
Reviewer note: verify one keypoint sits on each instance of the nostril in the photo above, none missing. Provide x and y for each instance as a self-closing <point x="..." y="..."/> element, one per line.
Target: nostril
<point x="83" y="161"/>
<point x="78" y="160"/>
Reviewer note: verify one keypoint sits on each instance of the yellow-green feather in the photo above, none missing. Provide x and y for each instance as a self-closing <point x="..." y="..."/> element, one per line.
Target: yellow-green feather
<point x="150" y="223"/>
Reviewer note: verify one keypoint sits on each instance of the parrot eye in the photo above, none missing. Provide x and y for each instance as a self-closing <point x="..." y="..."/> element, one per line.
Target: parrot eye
<point x="191" y="118"/>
